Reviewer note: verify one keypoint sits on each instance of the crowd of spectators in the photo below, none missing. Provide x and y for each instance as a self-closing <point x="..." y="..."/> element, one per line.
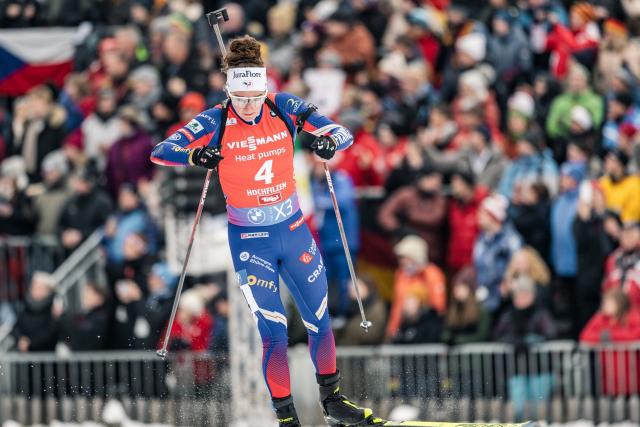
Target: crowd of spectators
<point x="491" y="192"/>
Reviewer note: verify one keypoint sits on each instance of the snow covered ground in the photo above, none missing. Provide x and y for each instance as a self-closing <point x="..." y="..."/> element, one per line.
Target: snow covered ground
<point x="130" y="423"/>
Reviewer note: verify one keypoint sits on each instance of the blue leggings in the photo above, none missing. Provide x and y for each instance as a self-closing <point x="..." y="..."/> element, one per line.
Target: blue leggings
<point x="286" y="249"/>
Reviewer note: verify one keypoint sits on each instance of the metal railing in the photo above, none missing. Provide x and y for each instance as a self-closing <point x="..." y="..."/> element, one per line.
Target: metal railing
<point x="86" y="263"/>
<point x="556" y="381"/>
<point x="20" y="257"/>
<point x="187" y="389"/>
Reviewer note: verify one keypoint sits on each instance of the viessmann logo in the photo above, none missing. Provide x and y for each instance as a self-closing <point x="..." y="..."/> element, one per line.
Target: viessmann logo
<point x="252" y="142"/>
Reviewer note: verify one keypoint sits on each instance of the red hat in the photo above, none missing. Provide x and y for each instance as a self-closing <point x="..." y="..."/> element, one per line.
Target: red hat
<point x="628" y="129"/>
<point x="193" y="100"/>
<point x="74" y="139"/>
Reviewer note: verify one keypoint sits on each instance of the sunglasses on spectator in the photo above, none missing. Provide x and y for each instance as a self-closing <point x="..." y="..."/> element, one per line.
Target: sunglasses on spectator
<point x="243" y="101"/>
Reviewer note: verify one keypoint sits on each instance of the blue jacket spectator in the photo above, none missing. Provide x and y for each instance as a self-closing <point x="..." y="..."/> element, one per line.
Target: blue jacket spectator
<point x="131" y="217"/>
<point x="563" y="212"/>
<point x="496" y="244"/>
<point x="533" y="163"/>
<point x="621" y="115"/>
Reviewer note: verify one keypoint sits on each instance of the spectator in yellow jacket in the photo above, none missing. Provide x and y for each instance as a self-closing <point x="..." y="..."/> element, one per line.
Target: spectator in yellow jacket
<point x="620" y="190"/>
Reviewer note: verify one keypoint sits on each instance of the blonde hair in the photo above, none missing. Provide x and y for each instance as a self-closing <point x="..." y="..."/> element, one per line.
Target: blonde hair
<point x="538" y="270"/>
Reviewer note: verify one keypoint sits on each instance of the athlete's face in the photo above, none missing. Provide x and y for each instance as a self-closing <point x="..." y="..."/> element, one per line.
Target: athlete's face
<point x="247" y="103"/>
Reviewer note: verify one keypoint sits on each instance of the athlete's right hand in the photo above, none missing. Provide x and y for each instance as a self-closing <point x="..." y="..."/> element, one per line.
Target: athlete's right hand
<point x="207" y="157"/>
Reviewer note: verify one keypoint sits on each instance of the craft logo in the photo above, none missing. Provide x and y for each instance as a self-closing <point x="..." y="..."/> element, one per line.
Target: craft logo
<point x="253" y="280"/>
<point x="244" y="256"/>
<point x="245" y="74"/>
<point x="306" y="258"/>
<point x="256" y="216"/>
<point x="296" y="224"/>
<point x="268" y="200"/>
<point x="231" y="121"/>
<point x="194" y="126"/>
<point x="316" y="273"/>
<point x="208" y="117"/>
<point x="259" y="235"/>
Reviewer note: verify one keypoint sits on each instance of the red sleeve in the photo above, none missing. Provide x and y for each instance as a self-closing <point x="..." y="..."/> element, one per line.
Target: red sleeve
<point x="591" y="333"/>
<point x="561" y="35"/>
<point x="387" y="214"/>
<point x="630" y="331"/>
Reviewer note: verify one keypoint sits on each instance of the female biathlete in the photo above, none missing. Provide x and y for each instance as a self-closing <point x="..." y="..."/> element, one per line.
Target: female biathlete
<point x="251" y="141"/>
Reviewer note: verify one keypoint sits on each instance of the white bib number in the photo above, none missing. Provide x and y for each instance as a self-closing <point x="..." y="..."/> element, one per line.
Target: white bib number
<point x="264" y="173"/>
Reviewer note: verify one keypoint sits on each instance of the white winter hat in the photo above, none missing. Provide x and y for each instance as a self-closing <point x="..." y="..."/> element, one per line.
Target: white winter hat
<point x="55" y="161"/>
<point x="523" y="103"/>
<point x="474" y="45"/>
<point x="475" y="80"/>
<point x="582" y="117"/>
<point x="393" y="64"/>
<point x="496" y="205"/>
<point x="414" y="248"/>
<point x="192" y="302"/>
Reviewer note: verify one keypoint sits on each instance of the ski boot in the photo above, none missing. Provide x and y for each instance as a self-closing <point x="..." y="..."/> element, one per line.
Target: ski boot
<point x="340" y="411"/>
<point x="286" y="412"/>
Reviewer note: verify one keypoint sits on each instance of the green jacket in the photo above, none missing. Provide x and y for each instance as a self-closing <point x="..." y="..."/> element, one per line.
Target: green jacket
<point x="479" y="333"/>
<point x="559" y="118"/>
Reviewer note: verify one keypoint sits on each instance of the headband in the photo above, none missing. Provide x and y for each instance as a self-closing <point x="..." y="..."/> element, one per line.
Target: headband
<point x="250" y="78"/>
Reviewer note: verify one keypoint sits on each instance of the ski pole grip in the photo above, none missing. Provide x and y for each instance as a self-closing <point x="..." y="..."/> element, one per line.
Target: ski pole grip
<point x="216" y="16"/>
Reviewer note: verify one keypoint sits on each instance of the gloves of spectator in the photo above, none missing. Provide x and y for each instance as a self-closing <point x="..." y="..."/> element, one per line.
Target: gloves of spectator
<point x="324" y="146"/>
<point x="206" y="157"/>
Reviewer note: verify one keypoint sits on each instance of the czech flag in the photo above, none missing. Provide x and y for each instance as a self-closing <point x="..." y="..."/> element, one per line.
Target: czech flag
<point x="32" y="56"/>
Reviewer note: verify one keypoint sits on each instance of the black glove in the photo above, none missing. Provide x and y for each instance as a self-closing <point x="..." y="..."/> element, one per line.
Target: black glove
<point x="207" y="157"/>
<point x="324" y="146"/>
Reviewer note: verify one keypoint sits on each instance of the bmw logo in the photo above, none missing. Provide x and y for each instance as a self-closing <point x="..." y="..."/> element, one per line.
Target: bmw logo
<point x="256" y="216"/>
<point x="243" y="257"/>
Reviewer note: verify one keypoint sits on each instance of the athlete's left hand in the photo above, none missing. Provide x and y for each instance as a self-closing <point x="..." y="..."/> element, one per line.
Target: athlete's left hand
<point x="324" y="146"/>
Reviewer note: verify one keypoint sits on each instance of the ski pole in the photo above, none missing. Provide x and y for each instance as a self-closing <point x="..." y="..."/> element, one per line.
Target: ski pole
<point x="365" y="324"/>
<point x="218" y="15"/>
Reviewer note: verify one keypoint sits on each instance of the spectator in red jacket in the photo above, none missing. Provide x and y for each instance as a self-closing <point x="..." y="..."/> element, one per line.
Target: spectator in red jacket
<point x="623" y="265"/>
<point x="463" y="213"/>
<point x="616" y="322"/>
<point x="580" y="40"/>
<point x="193" y="325"/>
